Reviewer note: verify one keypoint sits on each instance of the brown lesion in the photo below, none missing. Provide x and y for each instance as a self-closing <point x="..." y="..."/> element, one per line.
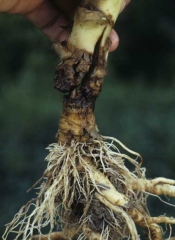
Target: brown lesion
<point x="82" y="69"/>
<point x="71" y="71"/>
<point x="79" y="70"/>
<point x="77" y="121"/>
<point x="81" y="76"/>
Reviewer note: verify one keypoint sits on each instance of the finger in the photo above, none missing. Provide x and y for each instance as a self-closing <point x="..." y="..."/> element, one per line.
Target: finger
<point x="18" y="6"/>
<point x="49" y="20"/>
<point x="67" y="7"/>
<point x="114" y="37"/>
<point x="127" y="2"/>
<point x="124" y="4"/>
<point x="114" y="40"/>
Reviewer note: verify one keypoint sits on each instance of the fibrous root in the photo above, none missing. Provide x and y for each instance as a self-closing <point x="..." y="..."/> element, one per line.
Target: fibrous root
<point x="89" y="193"/>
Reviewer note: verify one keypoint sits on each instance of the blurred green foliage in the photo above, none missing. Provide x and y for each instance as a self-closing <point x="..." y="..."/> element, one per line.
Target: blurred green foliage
<point x="137" y="104"/>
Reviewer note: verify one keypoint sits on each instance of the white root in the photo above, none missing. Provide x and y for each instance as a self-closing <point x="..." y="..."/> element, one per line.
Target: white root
<point x="159" y="186"/>
<point x="92" y="235"/>
<point x="144" y="219"/>
<point x="52" y="236"/>
<point x="79" y="171"/>
<point x="104" y="186"/>
<point x="123" y="146"/>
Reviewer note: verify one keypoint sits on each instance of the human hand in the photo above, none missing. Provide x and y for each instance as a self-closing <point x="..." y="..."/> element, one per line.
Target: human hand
<point x="50" y="15"/>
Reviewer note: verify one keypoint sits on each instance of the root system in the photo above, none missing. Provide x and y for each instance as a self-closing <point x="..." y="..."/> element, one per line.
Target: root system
<point x="88" y="191"/>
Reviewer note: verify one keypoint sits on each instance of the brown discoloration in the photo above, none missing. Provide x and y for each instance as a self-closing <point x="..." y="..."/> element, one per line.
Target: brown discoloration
<point x="71" y="71"/>
<point x="98" y="216"/>
<point x="92" y="8"/>
<point x="83" y="80"/>
<point x="77" y="121"/>
<point x="154" y="232"/>
<point x="89" y="13"/>
<point x="82" y="76"/>
<point x="79" y="69"/>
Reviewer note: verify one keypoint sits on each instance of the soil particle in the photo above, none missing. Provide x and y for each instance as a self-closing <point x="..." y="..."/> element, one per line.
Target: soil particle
<point x="98" y="216"/>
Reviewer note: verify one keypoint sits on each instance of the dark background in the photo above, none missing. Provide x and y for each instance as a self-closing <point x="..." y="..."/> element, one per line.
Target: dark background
<point x="137" y="104"/>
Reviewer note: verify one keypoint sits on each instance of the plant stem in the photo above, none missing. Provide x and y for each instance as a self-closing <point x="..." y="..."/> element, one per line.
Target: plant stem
<point x="83" y="67"/>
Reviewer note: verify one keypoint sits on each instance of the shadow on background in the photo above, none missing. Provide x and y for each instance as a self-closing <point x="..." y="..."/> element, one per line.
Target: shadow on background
<point x="137" y="104"/>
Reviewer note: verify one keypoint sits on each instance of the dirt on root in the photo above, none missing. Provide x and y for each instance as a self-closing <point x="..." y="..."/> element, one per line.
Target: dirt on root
<point x="100" y="217"/>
